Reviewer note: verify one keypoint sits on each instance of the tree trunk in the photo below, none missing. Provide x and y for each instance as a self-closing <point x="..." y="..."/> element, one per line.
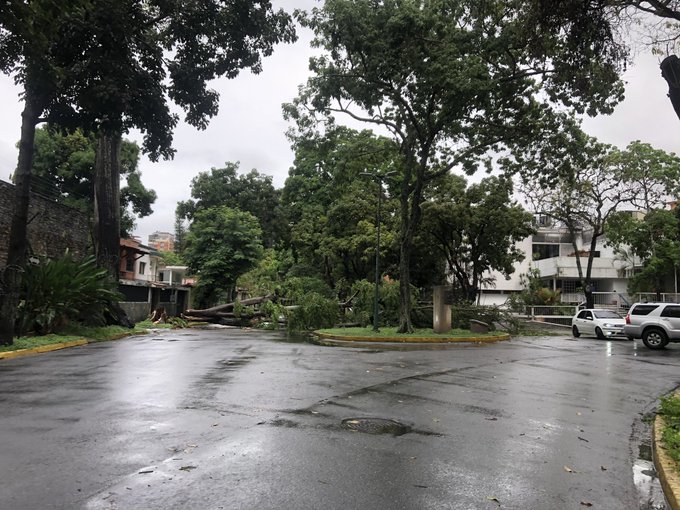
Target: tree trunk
<point x="107" y="215"/>
<point x="107" y="203"/>
<point x="410" y="216"/>
<point x="16" y="256"/>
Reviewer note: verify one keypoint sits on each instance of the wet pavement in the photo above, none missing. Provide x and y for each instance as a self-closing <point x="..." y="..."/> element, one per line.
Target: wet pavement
<point x="248" y="419"/>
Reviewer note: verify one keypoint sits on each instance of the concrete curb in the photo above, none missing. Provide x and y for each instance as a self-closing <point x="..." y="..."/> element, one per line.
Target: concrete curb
<point x="665" y="466"/>
<point x="43" y="348"/>
<point x="64" y="345"/>
<point x="414" y="340"/>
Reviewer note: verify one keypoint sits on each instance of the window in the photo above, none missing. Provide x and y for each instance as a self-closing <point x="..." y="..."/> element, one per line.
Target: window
<point x="142" y="267"/>
<point x="568" y="286"/>
<point x="129" y="264"/>
<point x="582" y="315"/>
<point x="643" y="309"/>
<point x="671" y="311"/>
<point x="545" y="251"/>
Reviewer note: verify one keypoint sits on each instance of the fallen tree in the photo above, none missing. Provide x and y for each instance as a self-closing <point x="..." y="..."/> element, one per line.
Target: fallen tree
<point x="227" y="315"/>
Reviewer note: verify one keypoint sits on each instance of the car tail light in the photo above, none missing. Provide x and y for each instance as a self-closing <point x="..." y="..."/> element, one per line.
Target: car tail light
<point x="627" y="318"/>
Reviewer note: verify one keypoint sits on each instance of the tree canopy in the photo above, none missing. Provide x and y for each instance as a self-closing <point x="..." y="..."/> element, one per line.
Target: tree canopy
<point x="476" y="229"/>
<point x="222" y="244"/>
<point x="63" y="167"/>
<point x="251" y="192"/>
<point x="450" y="81"/>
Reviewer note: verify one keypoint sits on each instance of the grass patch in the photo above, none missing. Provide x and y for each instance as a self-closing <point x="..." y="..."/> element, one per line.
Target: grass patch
<point x="76" y="332"/>
<point x="390" y="332"/>
<point x="670" y="409"/>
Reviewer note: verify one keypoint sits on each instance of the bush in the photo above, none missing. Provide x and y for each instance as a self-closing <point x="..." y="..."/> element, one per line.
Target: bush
<point x="58" y="291"/>
<point x="315" y="311"/>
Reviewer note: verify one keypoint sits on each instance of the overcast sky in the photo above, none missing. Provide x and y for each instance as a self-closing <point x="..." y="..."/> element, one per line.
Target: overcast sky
<point x="249" y="127"/>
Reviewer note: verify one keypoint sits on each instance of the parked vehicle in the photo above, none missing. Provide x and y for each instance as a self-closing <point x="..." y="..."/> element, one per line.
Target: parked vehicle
<point x="656" y="323"/>
<point x="598" y="322"/>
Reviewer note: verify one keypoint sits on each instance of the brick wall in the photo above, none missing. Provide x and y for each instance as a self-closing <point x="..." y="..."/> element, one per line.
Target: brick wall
<point x="52" y="227"/>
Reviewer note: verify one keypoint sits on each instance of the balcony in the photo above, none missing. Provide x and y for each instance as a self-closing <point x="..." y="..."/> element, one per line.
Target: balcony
<point x="565" y="267"/>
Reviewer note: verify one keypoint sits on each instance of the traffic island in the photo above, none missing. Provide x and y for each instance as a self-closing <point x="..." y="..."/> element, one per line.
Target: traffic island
<point x="666" y="466"/>
<point x="419" y="336"/>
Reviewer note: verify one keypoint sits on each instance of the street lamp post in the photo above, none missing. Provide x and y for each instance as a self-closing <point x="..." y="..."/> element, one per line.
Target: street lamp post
<point x="376" y="296"/>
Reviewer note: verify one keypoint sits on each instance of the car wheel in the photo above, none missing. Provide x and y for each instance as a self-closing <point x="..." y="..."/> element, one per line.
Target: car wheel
<point x="599" y="334"/>
<point x="654" y="338"/>
<point x="575" y="332"/>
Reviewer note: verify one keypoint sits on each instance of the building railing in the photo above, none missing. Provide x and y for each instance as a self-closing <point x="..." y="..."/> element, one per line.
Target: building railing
<point x="619" y="300"/>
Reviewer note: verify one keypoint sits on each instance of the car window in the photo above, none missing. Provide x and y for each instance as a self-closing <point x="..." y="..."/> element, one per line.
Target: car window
<point x="582" y="315"/>
<point x="643" y="309"/>
<point x="671" y="311"/>
<point x="606" y="314"/>
<point x="589" y="316"/>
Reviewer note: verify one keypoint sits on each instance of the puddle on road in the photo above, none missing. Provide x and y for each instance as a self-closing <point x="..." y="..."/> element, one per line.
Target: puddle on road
<point x="376" y="426"/>
<point x="647" y="483"/>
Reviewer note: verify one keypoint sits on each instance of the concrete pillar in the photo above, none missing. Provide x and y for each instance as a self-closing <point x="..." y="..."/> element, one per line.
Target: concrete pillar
<point x="441" y="315"/>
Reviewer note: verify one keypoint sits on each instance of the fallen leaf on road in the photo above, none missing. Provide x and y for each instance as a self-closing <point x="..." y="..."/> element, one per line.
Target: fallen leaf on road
<point x="583" y="439"/>
<point x="586" y="503"/>
<point x="495" y="499"/>
<point x="491" y="419"/>
<point x="603" y="468"/>
<point x="569" y="470"/>
<point x="187" y="468"/>
<point x="578" y="414"/>
<point x="420" y="486"/>
<point x="143" y="472"/>
<point x="353" y="422"/>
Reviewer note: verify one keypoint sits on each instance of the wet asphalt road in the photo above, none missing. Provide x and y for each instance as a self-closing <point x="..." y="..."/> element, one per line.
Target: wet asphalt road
<point x="245" y="420"/>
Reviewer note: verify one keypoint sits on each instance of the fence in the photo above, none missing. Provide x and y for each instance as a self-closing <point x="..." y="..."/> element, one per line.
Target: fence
<point x="619" y="300"/>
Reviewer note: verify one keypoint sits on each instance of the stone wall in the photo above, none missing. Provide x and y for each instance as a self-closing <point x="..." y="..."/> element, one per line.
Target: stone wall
<point x="52" y="227"/>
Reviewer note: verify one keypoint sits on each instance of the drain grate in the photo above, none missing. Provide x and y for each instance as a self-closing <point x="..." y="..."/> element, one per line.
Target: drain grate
<point x="376" y="426"/>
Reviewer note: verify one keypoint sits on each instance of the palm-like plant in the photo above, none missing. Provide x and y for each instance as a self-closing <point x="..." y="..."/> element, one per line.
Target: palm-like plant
<point x="58" y="291"/>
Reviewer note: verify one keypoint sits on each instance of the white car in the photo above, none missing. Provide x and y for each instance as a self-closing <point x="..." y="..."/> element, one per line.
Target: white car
<point x="598" y="322"/>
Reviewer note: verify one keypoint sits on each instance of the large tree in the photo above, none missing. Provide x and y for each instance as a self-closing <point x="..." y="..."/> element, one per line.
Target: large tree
<point x="331" y="206"/>
<point x="34" y="38"/>
<point x="449" y="80"/>
<point x="222" y="244"/>
<point x="476" y="229"/>
<point x="108" y="65"/>
<point x="582" y="183"/>
<point x="252" y="192"/>
<point x="63" y="167"/>
<point x="652" y="242"/>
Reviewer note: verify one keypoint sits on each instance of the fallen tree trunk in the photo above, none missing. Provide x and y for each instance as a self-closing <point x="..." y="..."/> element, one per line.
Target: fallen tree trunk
<point x="230" y="306"/>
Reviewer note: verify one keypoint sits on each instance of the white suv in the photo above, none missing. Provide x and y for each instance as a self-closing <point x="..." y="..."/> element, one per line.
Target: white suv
<point x="656" y="323"/>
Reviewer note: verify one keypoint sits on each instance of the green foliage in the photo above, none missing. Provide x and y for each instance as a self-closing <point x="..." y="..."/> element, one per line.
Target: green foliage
<point x="171" y="258"/>
<point x="297" y="288"/>
<point x="332" y="207"/>
<point x="670" y="409"/>
<point x="63" y="167"/>
<point x="222" y="244"/>
<point x="266" y="277"/>
<point x="58" y="291"/>
<point x="654" y="240"/>
<point x="273" y="312"/>
<point x="475" y="229"/>
<point x="533" y="293"/>
<point x="491" y="315"/>
<point x="178" y="323"/>
<point x="388" y="301"/>
<point x="439" y="78"/>
<point x="315" y="311"/>
<point x="251" y="192"/>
